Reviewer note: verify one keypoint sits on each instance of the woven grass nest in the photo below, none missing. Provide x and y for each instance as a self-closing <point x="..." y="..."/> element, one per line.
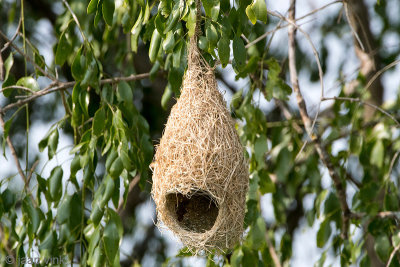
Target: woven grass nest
<point x="200" y="175"/>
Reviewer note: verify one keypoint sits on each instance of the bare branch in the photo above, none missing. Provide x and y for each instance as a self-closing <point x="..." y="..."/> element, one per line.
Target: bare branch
<point x="54" y="87"/>
<point x="48" y="75"/>
<point x="13" y="152"/>
<point x="272" y="251"/>
<point x="132" y="184"/>
<point x="261" y="37"/>
<point x="6" y="45"/>
<point x="363" y="103"/>
<point x="397" y="248"/>
<point x="378" y="73"/>
<point x="346" y="213"/>
<point x="76" y="20"/>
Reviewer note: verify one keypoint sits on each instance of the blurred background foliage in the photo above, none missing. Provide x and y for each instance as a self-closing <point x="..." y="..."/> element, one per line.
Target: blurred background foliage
<point x="98" y="78"/>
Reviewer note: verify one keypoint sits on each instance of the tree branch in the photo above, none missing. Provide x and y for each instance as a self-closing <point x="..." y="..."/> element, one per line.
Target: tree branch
<point x="45" y="73"/>
<point x="308" y="125"/>
<point x="365" y="47"/>
<point x="363" y="103"/>
<point x="13" y="152"/>
<point x="272" y="251"/>
<point x="57" y="86"/>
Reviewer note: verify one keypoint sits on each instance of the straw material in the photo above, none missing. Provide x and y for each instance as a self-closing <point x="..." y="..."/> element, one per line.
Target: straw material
<point x="200" y="175"/>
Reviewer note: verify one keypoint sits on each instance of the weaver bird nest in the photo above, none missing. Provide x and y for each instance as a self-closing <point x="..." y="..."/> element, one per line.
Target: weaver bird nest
<point x="200" y="175"/>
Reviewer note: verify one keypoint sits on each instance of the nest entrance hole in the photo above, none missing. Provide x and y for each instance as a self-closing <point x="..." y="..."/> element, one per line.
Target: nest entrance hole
<point x="196" y="212"/>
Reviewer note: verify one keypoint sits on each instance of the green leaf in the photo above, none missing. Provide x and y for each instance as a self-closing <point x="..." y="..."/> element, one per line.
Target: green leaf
<point x="108" y="11"/>
<point x="99" y="122"/>
<point x="396" y="239"/>
<point x="250" y="14"/>
<point x="8" y="198"/>
<point x="256" y="236"/>
<point x="383" y="247"/>
<point x="135" y="31"/>
<point x="253" y="186"/>
<point x="239" y="52"/>
<point x="265" y="183"/>
<point x="237" y="256"/>
<point x="203" y="43"/>
<point x="7" y="65"/>
<point x="34" y="215"/>
<point x="191" y="21"/>
<point x="172" y="19"/>
<point x="91" y="77"/>
<point x="169" y="42"/>
<point x="377" y="154"/>
<point x="108" y="191"/>
<point x="55" y="183"/>
<point x="64" y="49"/>
<point x="260" y="148"/>
<point x="98" y="257"/>
<point x="257" y="10"/>
<point x="52" y="143"/>
<point x="96" y="214"/>
<point x="64" y="210"/>
<point x="175" y="76"/>
<point x="99" y="13"/>
<point x="48" y="244"/>
<point x="39" y="60"/>
<point x="124" y="92"/>
<point x="116" y="168"/>
<point x="212" y="8"/>
<point x="211" y="33"/>
<point x="111" y="240"/>
<point x="166" y="96"/>
<point x="29" y="82"/>
<point x="224" y="51"/>
<point x="324" y="233"/>
<point x="276" y="86"/>
<point x="77" y="68"/>
<point x="115" y="217"/>
<point x="92" y="7"/>
<point x="154" y="45"/>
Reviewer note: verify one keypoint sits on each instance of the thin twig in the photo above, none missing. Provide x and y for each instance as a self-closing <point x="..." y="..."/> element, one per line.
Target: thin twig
<point x="45" y="73"/>
<point x="1" y="68"/>
<point x="32" y="170"/>
<point x="397" y="248"/>
<point x="346" y="213"/>
<point x="272" y="251"/>
<point x="315" y="52"/>
<point x="318" y="9"/>
<point x="261" y="37"/>
<point x="76" y="20"/>
<point x="6" y="45"/>
<point x="54" y="87"/>
<point x="377" y="74"/>
<point x="132" y="184"/>
<point x="13" y="152"/>
<point x="17" y="87"/>
<point x="363" y="103"/>
<point x="346" y="9"/>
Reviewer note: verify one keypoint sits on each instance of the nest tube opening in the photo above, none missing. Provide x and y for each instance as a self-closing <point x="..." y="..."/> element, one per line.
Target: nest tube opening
<point x="196" y="211"/>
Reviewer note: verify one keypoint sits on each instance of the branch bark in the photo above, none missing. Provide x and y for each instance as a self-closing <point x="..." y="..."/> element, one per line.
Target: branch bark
<point x="366" y="51"/>
<point x="340" y="188"/>
<point x="14" y="153"/>
<point x="53" y="87"/>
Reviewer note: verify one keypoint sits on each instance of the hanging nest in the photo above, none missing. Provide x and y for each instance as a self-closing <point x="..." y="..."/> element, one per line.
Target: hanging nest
<point x="200" y="175"/>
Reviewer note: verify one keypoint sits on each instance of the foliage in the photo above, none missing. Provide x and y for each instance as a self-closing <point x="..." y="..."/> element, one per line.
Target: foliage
<point x="101" y="49"/>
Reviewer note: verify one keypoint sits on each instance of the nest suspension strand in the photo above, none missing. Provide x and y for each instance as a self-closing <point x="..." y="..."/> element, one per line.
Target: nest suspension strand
<point x="200" y="175"/>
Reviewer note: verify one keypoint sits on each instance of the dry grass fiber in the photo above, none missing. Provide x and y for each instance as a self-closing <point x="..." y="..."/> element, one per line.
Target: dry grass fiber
<point x="200" y="175"/>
